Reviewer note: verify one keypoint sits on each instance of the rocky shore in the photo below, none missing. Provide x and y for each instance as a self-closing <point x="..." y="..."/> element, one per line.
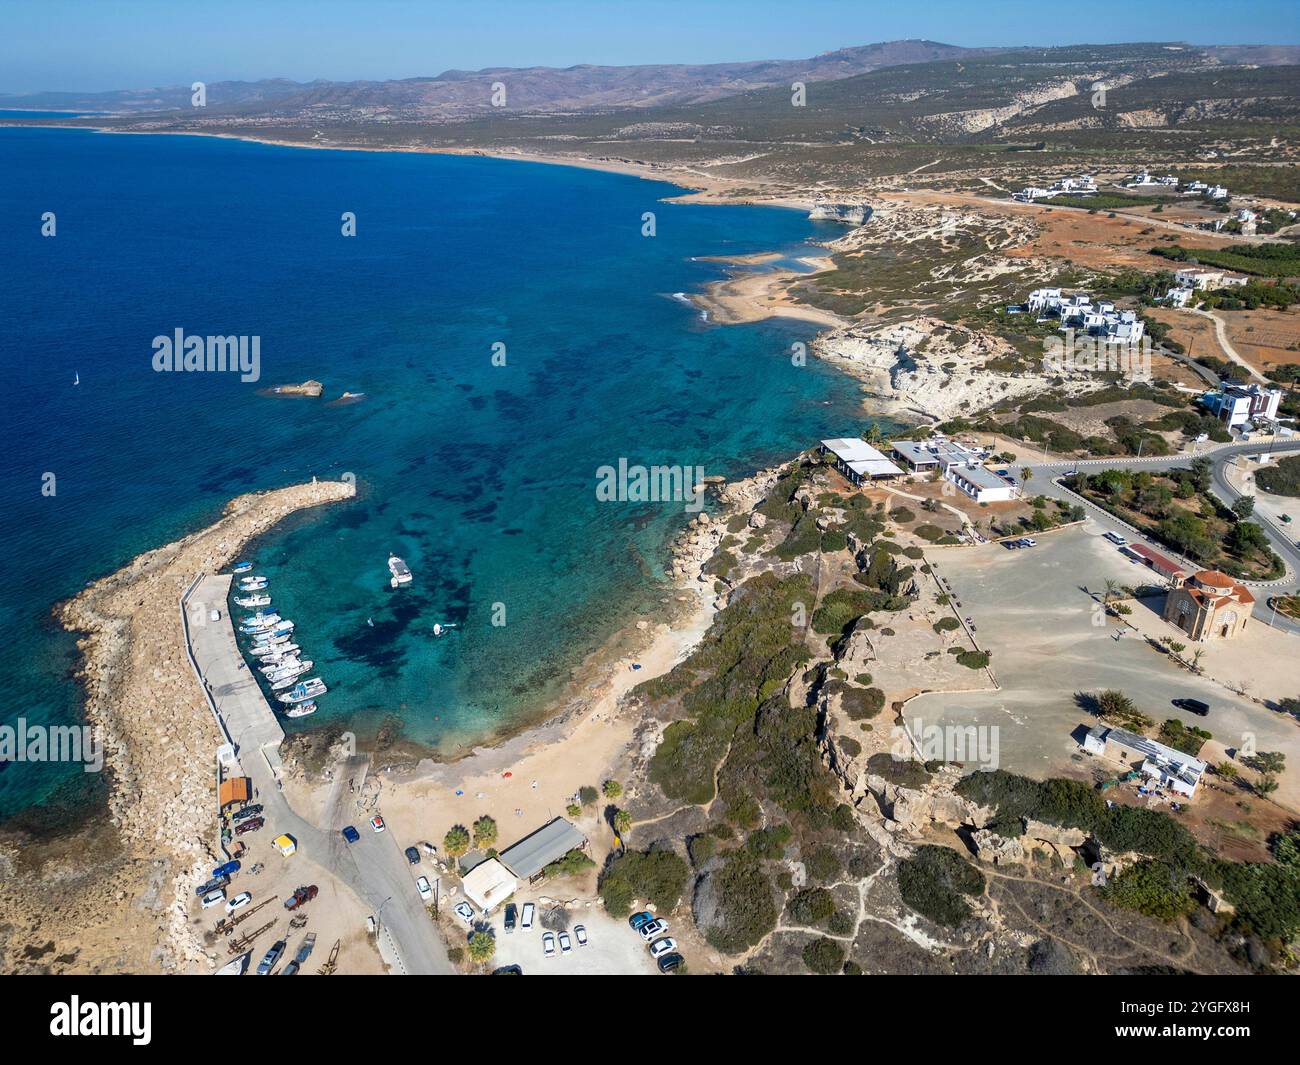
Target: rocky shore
<point x="159" y="741"/>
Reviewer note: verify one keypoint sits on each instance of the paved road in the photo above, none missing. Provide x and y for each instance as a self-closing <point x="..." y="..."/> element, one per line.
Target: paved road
<point x="374" y="867"/>
<point x="1285" y="545"/>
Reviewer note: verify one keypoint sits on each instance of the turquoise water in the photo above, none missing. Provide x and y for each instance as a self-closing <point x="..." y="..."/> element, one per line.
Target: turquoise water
<point x="482" y="477"/>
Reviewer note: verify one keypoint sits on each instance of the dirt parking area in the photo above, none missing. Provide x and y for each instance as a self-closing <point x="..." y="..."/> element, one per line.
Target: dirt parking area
<point x="613" y="948"/>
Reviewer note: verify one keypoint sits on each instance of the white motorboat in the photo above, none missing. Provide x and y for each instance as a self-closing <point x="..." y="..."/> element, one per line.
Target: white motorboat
<point x="400" y="570"/>
<point x="440" y="629"/>
<point x="279" y="654"/>
<point x="301" y="709"/>
<point x="236" y="966"/>
<point x="289" y="681"/>
<point x="253" y="600"/>
<point x="241" y="567"/>
<point x="276" y="670"/>
<point x="252" y="584"/>
<point x="304" y="690"/>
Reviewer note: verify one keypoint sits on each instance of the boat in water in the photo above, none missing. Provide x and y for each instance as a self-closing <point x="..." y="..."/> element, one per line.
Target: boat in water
<point x="304" y="690"/>
<point x="241" y="567"/>
<point x="291" y="679"/>
<point x="301" y="709"/>
<point x="400" y="570"/>
<point x="252" y="584"/>
<point x="439" y="629"/>
<point x="276" y="670"/>
<point x="258" y="623"/>
<point x="279" y="653"/>
<point x="253" y="600"/>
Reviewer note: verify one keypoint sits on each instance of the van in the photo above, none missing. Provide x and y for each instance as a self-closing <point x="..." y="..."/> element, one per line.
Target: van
<point x="1116" y="539"/>
<point x="371" y="926"/>
<point x="1193" y="706"/>
<point x="526" y="918"/>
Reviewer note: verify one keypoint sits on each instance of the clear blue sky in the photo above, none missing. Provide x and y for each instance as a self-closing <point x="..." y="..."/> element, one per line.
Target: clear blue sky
<point x="85" y="45"/>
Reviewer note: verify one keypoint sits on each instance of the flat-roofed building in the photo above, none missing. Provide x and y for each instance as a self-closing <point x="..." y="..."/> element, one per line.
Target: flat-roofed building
<point x="1167" y="767"/>
<point x="527" y="858"/>
<point x="938" y="454"/>
<point x="858" y="461"/>
<point x="982" y="485"/>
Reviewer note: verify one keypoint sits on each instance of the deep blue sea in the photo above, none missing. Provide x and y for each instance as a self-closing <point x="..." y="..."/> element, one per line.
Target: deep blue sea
<point x="482" y="477"/>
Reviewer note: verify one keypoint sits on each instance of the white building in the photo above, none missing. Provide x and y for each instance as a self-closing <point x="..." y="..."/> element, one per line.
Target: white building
<point x="1235" y="405"/>
<point x="1030" y="193"/>
<point x="858" y="461"/>
<point x="1198" y="277"/>
<point x="1078" y="311"/>
<point x="1167" y="767"/>
<point x="935" y="454"/>
<point x="981" y="484"/>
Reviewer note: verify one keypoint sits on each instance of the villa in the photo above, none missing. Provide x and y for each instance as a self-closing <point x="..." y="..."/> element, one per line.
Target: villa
<point x="858" y="461"/>
<point x="1167" y="767"/>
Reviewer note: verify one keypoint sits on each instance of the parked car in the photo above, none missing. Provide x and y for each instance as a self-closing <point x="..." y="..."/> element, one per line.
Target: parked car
<point x="422" y="886"/>
<point x="285" y="844"/>
<point x="229" y="869"/>
<point x="1012" y="545"/>
<point x="526" y="918"/>
<point x="512" y="914"/>
<point x="351" y="834"/>
<point x="508" y="970"/>
<point x="253" y="825"/>
<point x="464" y="911"/>
<point x="301" y="897"/>
<point x="660" y="947"/>
<point x="247" y="812"/>
<point x="239" y="901"/>
<point x="1194" y="706"/>
<point x="637" y="920"/>
<point x="377" y="823"/>
<point x="669" y="962"/>
<point x="272" y="956"/>
<point x="548" y="944"/>
<point x="580" y="934"/>
<point x="213" y="898"/>
<point x="566" y="944"/>
<point x="428" y="847"/>
<point x="211" y="885"/>
<point x="653" y="930"/>
<point x="1116" y="539"/>
<point x="412" y="855"/>
<point x="1028" y="541"/>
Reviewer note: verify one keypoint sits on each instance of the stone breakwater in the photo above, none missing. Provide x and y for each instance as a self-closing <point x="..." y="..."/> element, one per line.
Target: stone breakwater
<point x="159" y="736"/>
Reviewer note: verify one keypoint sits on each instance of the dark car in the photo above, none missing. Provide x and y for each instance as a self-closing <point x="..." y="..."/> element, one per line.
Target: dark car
<point x="1193" y="706"/>
<point x="351" y="834"/>
<point x="508" y="970"/>
<point x="669" y="962"/>
<point x="412" y="855"/>
<point x="229" y="869"/>
<point x="247" y="812"/>
<point x="637" y="920"/>
<point x="211" y="885"/>
<point x="250" y="826"/>
<point x="512" y="912"/>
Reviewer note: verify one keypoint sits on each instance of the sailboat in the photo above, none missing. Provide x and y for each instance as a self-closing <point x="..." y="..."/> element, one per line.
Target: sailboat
<point x="76" y="378"/>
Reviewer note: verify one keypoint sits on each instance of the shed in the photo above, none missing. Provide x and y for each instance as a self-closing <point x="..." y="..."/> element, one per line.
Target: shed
<point x="235" y="789"/>
<point x="535" y="852"/>
<point x="488" y="884"/>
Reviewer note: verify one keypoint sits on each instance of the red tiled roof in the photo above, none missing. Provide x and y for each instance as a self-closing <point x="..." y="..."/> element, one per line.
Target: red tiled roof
<point x="1156" y="559"/>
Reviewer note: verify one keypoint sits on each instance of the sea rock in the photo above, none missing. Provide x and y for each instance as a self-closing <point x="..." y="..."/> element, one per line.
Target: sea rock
<point x="757" y="520"/>
<point x="307" y="388"/>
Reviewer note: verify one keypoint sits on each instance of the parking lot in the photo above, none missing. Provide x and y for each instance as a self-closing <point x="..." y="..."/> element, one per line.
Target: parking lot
<point x="612" y="949"/>
<point x="1034" y="614"/>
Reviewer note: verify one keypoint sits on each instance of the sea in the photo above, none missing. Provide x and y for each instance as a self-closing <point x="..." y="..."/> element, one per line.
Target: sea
<point x="511" y="328"/>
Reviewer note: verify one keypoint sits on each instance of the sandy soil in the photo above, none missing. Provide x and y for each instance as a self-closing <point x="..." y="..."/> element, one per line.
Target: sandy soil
<point x="1265" y="338"/>
<point x="754" y="296"/>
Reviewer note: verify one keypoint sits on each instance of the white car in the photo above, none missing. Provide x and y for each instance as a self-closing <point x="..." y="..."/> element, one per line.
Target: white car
<point x="566" y="944"/>
<point x="239" y="901"/>
<point x="422" y="886"/>
<point x="548" y="944"/>
<point x="663" y="946"/>
<point x="214" y="898"/>
<point x="653" y="930"/>
<point x="464" y="912"/>
<point x="526" y="916"/>
<point x="580" y="934"/>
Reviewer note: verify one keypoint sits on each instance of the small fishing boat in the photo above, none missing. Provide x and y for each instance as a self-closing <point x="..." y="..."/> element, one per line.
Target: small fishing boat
<point x="304" y="690"/>
<point x="252" y="584"/>
<point x="400" y="570"/>
<point x="301" y="710"/>
<point x="277" y="669"/>
<point x="256" y="623"/>
<point x="264" y="642"/>
<point x="440" y="629"/>
<point x="285" y="682"/>
<point x="280" y="653"/>
<point x="253" y="600"/>
<point x="241" y="567"/>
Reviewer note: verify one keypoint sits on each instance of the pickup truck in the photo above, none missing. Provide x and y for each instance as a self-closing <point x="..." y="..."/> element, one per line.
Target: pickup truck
<point x="300" y="897"/>
<point x="272" y="956"/>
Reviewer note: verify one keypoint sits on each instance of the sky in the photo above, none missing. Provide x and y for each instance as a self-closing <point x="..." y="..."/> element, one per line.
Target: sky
<point x="93" y="45"/>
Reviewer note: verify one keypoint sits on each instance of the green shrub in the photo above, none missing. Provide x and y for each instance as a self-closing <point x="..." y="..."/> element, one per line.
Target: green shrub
<point x="811" y="906"/>
<point x="824" y="956"/>
<point x="933" y="882"/>
<point x="658" y="877"/>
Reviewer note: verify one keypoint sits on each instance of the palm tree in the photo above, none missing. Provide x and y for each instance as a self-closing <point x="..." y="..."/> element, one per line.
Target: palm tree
<point x="1026" y="474"/>
<point x="1197" y="655"/>
<point x="1112" y="590"/>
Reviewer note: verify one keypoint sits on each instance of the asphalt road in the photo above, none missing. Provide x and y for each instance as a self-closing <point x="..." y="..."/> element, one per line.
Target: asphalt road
<point x="1042" y="482"/>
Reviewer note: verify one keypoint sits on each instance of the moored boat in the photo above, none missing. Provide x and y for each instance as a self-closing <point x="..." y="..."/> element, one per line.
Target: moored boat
<point x="301" y="709"/>
<point x="241" y="567"/>
<point x="304" y="690"/>
<point x="253" y="600"/>
<point x="400" y="570"/>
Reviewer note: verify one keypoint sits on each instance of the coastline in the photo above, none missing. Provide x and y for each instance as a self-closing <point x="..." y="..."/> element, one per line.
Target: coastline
<point x="159" y="742"/>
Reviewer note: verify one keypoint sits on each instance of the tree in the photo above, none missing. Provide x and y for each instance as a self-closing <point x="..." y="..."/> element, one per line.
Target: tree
<point x="1026" y="474"/>
<point x="622" y="822"/>
<point x="1243" y="507"/>
<point x="1270" y="762"/>
<point x="456" y="841"/>
<point x="1266" y="785"/>
<point x="485" y="832"/>
<point x="587" y="795"/>
<point x="482" y="946"/>
<point x="1226" y="770"/>
<point x="613" y="789"/>
<point x="1111" y="592"/>
<point x="1116" y="706"/>
<point x="1197" y="655"/>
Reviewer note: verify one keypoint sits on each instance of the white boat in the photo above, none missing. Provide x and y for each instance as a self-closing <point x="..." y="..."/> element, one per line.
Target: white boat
<point x="440" y="629"/>
<point x="400" y="570"/>
<point x="254" y="583"/>
<point x="236" y="966"/>
<point x="277" y="669"/>
<point x="290" y="680"/>
<point x="241" y="567"/>
<point x="301" y="710"/>
<point x="254" y="626"/>
<point x="263" y="618"/>
<point x="269" y="642"/>
<point x="304" y="690"/>
<point x="253" y="600"/>
<point x="279" y="654"/>
<point x="283" y="628"/>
